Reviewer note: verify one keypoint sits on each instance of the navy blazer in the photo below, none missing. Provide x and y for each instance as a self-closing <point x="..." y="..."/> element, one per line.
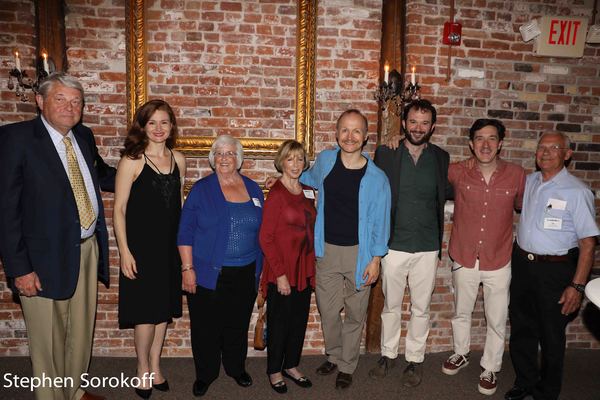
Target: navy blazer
<point x="39" y="222"/>
<point x="390" y="160"/>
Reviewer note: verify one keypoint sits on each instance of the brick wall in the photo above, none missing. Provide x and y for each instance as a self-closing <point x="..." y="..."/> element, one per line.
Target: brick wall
<point x="228" y="67"/>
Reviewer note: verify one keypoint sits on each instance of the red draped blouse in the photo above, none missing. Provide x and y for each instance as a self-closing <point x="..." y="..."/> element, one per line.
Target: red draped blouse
<point x="287" y="237"/>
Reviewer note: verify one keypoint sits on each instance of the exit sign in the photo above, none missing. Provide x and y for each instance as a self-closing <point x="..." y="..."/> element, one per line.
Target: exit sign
<point x="561" y="36"/>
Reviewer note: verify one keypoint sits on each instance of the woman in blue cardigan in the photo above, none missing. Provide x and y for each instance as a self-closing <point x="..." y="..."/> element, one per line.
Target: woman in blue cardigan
<point x="221" y="264"/>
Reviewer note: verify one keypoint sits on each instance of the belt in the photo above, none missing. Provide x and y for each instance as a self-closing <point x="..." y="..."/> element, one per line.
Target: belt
<point x="543" y="258"/>
<point x="87" y="238"/>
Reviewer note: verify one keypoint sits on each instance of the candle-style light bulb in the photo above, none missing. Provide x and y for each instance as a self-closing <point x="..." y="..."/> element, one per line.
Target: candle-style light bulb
<point x="45" y="57"/>
<point x="17" y="61"/>
<point x="386" y="72"/>
<point x="413" y="78"/>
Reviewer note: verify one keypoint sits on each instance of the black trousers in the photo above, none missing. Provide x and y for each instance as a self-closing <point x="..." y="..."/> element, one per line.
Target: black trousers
<point x="219" y="323"/>
<point x="536" y="319"/>
<point x="286" y="325"/>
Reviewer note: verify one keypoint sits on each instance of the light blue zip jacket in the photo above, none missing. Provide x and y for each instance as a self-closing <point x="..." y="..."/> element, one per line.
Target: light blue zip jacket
<point x="374" y="198"/>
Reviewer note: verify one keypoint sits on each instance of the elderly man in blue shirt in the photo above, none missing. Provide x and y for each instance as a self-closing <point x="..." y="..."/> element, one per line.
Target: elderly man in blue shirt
<point x="550" y="265"/>
<point x="351" y="235"/>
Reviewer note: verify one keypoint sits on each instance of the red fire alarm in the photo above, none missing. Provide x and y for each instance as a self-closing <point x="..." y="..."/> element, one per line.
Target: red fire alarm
<point x="452" y="33"/>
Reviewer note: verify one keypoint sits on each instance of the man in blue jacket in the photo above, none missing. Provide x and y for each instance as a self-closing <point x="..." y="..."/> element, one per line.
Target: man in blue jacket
<point x="351" y="236"/>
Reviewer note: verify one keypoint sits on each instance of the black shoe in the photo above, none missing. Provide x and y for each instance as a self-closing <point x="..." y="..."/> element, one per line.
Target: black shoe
<point x="412" y="375"/>
<point x="143" y="393"/>
<point x="326" y="368"/>
<point x="516" y="393"/>
<point x="244" y="380"/>
<point x="163" y="387"/>
<point x="383" y="367"/>
<point x="280" y="387"/>
<point x="200" y="388"/>
<point x="303" y="381"/>
<point x="343" y="380"/>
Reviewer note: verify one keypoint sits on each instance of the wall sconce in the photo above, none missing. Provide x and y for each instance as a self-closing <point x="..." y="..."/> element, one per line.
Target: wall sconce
<point x="394" y="89"/>
<point x="44" y="67"/>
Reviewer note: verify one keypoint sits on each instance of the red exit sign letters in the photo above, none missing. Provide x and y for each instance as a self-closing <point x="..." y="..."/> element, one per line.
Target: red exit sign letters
<point x="561" y="36"/>
<point x="563" y="32"/>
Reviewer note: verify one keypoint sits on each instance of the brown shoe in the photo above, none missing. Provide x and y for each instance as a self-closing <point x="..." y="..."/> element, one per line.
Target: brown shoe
<point x="343" y="381"/>
<point x="91" y="396"/>
<point x="412" y="375"/>
<point x="327" y="368"/>
<point x="384" y="365"/>
<point x="487" y="382"/>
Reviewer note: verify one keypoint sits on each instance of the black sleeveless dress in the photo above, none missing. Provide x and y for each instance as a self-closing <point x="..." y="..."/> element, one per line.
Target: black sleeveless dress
<point x="152" y="219"/>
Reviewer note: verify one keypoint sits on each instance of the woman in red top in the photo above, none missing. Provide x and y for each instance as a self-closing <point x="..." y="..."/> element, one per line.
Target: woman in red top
<point x="287" y="238"/>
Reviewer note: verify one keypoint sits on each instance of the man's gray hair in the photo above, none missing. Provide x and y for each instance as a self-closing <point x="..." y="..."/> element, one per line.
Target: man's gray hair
<point x="564" y="136"/>
<point x="226" y="140"/>
<point x="63" y="79"/>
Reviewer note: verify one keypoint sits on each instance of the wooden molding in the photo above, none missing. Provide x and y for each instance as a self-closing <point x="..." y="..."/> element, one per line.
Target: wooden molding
<point x="137" y="68"/>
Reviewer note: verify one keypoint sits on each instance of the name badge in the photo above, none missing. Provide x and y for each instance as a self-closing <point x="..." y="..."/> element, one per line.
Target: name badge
<point x="553" y="223"/>
<point x="256" y="202"/>
<point x="309" y="194"/>
<point x="556" y="204"/>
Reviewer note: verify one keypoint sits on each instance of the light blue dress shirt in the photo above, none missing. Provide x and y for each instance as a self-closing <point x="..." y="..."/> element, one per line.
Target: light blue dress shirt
<point x="556" y="214"/>
<point x="57" y="140"/>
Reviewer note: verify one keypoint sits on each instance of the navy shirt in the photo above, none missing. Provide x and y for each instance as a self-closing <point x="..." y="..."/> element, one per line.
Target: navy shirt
<point x="341" y="204"/>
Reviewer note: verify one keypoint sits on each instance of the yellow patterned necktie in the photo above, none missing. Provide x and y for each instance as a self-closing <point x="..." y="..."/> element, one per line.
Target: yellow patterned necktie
<point x="84" y="205"/>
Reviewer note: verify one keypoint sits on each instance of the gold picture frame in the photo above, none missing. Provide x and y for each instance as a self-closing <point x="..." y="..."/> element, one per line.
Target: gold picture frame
<point x="137" y="85"/>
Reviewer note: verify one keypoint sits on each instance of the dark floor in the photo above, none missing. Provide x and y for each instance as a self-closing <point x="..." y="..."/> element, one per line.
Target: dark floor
<point x="581" y="380"/>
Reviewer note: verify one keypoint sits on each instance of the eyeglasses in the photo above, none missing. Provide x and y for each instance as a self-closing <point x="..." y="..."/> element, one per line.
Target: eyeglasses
<point x="551" y="149"/>
<point x="62" y="101"/>
<point x="223" y="154"/>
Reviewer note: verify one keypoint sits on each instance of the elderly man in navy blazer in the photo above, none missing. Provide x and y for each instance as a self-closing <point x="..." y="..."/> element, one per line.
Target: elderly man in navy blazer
<point x="53" y="237"/>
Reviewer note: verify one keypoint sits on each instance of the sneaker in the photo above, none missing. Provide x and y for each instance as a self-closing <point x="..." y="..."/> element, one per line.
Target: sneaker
<point x="487" y="382"/>
<point x="384" y="364"/>
<point x="455" y="363"/>
<point x="412" y="375"/>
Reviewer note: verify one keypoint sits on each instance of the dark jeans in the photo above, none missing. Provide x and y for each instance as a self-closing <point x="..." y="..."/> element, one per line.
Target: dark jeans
<point x="286" y="325"/>
<point x="536" y="318"/>
<point x="219" y="323"/>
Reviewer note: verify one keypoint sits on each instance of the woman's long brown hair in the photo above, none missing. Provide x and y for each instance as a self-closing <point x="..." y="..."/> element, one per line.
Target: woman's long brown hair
<point x="137" y="140"/>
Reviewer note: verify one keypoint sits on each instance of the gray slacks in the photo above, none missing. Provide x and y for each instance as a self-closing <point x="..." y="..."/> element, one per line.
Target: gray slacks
<point x="336" y="291"/>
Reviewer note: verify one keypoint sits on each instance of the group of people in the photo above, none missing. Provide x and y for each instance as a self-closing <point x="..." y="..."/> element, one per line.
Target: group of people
<point x="225" y="244"/>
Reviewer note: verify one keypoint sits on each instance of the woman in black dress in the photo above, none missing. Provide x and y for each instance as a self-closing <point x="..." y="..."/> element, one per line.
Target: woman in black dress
<point x="148" y="198"/>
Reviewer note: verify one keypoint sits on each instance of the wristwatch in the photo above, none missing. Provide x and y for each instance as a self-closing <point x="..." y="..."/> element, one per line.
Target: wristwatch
<point x="580" y="288"/>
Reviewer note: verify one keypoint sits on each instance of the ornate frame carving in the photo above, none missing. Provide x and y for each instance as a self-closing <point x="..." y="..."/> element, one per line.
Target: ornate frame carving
<point x="137" y="93"/>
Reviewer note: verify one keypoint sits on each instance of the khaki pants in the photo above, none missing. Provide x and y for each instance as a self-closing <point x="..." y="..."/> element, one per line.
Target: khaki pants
<point x="419" y="269"/>
<point x="61" y="331"/>
<point x="496" y="286"/>
<point x="336" y="290"/>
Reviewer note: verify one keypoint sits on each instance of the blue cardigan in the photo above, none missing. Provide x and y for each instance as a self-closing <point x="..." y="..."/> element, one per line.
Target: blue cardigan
<point x="373" y="210"/>
<point x="204" y="225"/>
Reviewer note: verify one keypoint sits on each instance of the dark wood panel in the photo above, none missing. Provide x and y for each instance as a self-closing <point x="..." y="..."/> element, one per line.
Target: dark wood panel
<point x="392" y="51"/>
<point x="50" y="18"/>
